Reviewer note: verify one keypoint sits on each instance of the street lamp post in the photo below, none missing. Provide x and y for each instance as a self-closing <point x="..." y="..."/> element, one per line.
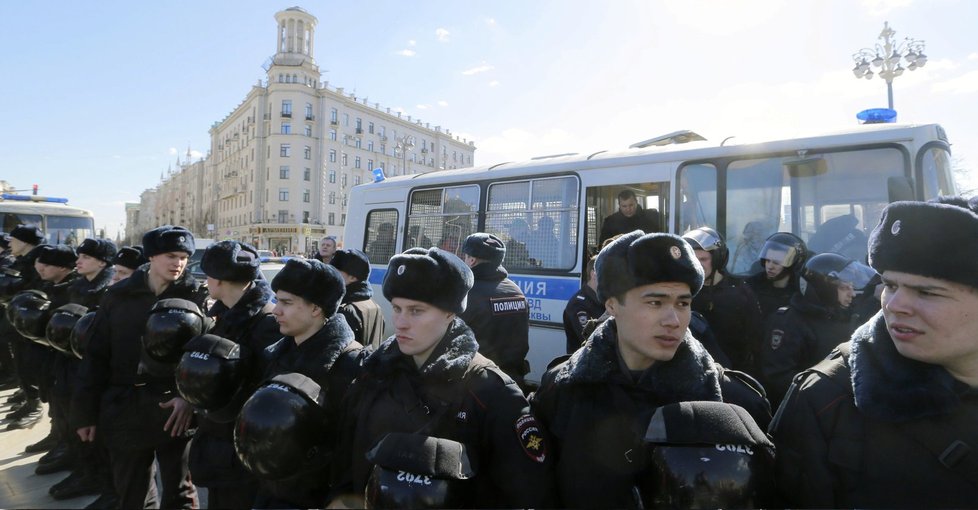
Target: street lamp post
<point x="403" y="145"/>
<point x="886" y="56"/>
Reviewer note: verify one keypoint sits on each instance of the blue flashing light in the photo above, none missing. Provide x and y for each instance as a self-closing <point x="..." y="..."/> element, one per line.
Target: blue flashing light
<point x="877" y="116"/>
<point x="33" y="198"/>
<point x="379" y="175"/>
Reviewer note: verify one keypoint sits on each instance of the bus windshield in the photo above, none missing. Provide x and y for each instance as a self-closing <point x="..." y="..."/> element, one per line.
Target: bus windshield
<point x="69" y="230"/>
<point x="831" y="200"/>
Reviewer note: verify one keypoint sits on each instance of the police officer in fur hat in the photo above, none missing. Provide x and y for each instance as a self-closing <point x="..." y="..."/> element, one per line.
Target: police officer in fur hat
<point x="429" y="379"/>
<point x="597" y="403"/>
<point x="497" y="310"/>
<point x="139" y="415"/>
<point x="318" y="343"/>
<point x="888" y="420"/>
<point x="362" y="313"/>
<point x="126" y="261"/>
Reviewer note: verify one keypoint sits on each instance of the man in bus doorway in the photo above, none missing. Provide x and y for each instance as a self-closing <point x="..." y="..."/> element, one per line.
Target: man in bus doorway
<point x="497" y="311"/>
<point x="630" y="216"/>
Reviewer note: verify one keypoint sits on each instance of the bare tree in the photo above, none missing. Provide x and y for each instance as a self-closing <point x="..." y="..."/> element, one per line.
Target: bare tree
<point x="965" y="178"/>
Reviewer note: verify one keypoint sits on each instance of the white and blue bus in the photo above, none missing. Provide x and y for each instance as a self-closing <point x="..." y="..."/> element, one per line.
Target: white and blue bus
<point x="550" y="210"/>
<point x="61" y="223"/>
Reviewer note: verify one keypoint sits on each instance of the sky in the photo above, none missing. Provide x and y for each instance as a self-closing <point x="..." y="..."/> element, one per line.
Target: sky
<point x="100" y="98"/>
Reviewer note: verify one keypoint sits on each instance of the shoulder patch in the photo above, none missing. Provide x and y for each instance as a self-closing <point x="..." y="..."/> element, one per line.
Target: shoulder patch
<point x="582" y="318"/>
<point x="776" y="336"/>
<point x="531" y="439"/>
<point x="508" y="305"/>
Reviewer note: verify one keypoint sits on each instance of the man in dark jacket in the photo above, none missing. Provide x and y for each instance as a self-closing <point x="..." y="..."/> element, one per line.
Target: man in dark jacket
<point x="318" y="344"/>
<point x="630" y="216"/>
<point x="782" y="258"/>
<point x="8" y="378"/>
<point x="243" y="314"/>
<point x="497" y="310"/>
<point x="597" y="404"/>
<point x="140" y="414"/>
<point x="582" y="307"/>
<point x="362" y="313"/>
<point x="888" y="421"/>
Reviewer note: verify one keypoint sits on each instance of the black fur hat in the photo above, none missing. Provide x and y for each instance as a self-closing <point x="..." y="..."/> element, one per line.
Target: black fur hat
<point x="101" y="249"/>
<point x="933" y="239"/>
<point x="129" y="256"/>
<point x="166" y="239"/>
<point x="231" y="261"/>
<point x="320" y="284"/>
<point x="638" y="259"/>
<point x="352" y="262"/>
<point x="486" y="247"/>
<point x="4" y="241"/>
<point x="57" y="255"/>
<point x="437" y="277"/>
<point x="28" y="234"/>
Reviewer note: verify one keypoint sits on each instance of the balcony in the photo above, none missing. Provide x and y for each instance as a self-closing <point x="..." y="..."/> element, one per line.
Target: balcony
<point x="310" y="117"/>
<point x="359" y="131"/>
<point x="334" y="122"/>
<point x="287" y="115"/>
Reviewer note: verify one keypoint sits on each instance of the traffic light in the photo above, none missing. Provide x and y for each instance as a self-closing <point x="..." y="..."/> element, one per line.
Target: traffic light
<point x="35" y="189"/>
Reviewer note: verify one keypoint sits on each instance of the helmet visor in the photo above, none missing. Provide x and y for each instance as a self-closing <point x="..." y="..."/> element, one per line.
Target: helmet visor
<point x="856" y="274"/>
<point x="779" y="253"/>
<point x="702" y="239"/>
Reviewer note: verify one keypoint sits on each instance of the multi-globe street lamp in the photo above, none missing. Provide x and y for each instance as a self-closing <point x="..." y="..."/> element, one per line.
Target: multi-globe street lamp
<point x="403" y="145"/>
<point x="886" y="56"/>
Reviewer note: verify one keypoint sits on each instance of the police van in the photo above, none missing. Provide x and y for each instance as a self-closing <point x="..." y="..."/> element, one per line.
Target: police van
<point x="829" y="188"/>
<point x="61" y="223"/>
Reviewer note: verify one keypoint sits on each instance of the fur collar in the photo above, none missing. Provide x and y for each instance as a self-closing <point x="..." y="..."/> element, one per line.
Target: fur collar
<point x="250" y="304"/>
<point x="84" y="290"/>
<point x="321" y="349"/>
<point x="890" y="387"/>
<point x="448" y="361"/>
<point x="690" y="375"/>
<point x="139" y="283"/>
<point x="359" y="291"/>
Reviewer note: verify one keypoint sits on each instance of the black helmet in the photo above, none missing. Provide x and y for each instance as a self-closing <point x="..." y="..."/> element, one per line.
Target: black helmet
<point x="171" y="324"/>
<point x="416" y="471"/>
<point x="707" y="455"/>
<point x="10" y="283"/>
<point x="28" y="312"/>
<point x="61" y="324"/>
<point x="81" y="333"/>
<point x="707" y="239"/>
<point x="210" y="372"/>
<point x="279" y="432"/>
<point x="824" y="272"/>
<point x="784" y="248"/>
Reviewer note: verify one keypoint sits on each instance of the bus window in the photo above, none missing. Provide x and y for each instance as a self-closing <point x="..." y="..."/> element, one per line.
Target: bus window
<point x="538" y="221"/>
<point x="12" y="219"/>
<point x="69" y="230"/>
<point x="698" y="195"/>
<point x="754" y="192"/>
<point x="935" y="166"/>
<point x="442" y="217"/>
<point x="380" y="237"/>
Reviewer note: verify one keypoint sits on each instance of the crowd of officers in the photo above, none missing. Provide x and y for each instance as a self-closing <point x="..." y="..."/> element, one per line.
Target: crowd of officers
<point x="291" y="394"/>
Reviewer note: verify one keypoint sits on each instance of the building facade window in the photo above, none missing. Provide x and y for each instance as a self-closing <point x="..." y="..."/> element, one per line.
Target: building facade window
<point x="333" y="116"/>
<point x="370" y="164"/>
<point x="283" y="172"/>
<point x="283" y="194"/>
<point x="383" y="131"/>
<point x="370" y="146"/>
<point x="332" y="134"/>
<point x="307" y="152"/>
<point x="356" y="180"/>
<point x="286" y="107"/>
<point x="332" y="218"/>
<point x="308" y="131"/>
<point x="305" y="196"/>
<point x="309" y="111"/>
<point x="332" y="197"/>
<point x="332" y="155"/>
<point x="307" y="174"/>
<point x="344" y="158"/>
<point x="286" y="128"/>
<point x="357" y="143"/>
<point x="356" y="162"/>
<point x="332" y="176"/>
<point x="283" y="216"/>
<point x="343" y="180"/>
<point x="346" y="120"/>
<point x="284" y="150"/>
<point x="342" y="219"/>
<point x="370" y="127"/>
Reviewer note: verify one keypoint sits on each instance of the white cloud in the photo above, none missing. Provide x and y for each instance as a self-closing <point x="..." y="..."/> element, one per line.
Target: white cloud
<point x="442" y="103"/>
<point x="882" y="7"/>
<point x="406" y="53"/>
<point x="196" y="154"/>
<point x="965" y="84"/>
<point x="412" y="42"/>
<point x="494" y="83"/>
<point x="478" y="69"/>
<point x="519" y="144"/>
<point x="172" y="151"/>
<point x="442" y="34"/>
<point x="423" y="106"/>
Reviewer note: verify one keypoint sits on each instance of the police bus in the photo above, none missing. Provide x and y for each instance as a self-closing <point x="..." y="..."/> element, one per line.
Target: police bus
<point x="61" y="223"/>
<point x="830" y="188"/>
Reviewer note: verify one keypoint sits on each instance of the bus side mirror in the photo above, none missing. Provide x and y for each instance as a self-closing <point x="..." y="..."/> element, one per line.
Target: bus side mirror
<point x="899" y="189"/>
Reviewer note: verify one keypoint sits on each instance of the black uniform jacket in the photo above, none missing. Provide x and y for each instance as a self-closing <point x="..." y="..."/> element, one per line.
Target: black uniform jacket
<point x="849" y="434"/>
<point x="362" y="313"/>
<point x="769" y="297"/>
<point x="582" y="307"/>
<point x="458" y="395"/>
<point x="251" y="325"/>
<point x="88" y="293"/>
<point x="499" y="316"/>
<point x="112" y="394"/>
<point x="647" y="221"/>
<point x="332" y="358"/>
<point x="598" y="415"/>
<point x="735" y="318"/>
<point x="797" y="338"/>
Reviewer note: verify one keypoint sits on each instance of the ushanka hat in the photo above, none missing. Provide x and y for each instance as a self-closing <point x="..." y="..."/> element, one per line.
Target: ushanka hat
<point x="57" y="255"/>
<point x="130" y="257"/>
<point x="230" y="261"/>
<point x="101" y="249"/>
<point x="167" y="239"/>
<point x="320" y="284"/>
<point x="436" y="277"/>
<point x="638" y="259"/>
<point x="937" y="239"/>
<point x="486" y="247"/>
<point x="352" y="262"/>
<point x="28" y="234"/>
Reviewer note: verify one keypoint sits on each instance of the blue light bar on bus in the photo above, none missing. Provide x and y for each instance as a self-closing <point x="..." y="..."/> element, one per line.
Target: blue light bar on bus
<point x="877" y="115"/>
<point x="33" y="198"/>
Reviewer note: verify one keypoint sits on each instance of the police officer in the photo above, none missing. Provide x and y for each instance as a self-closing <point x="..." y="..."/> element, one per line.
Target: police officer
<point x="807" y="330"/>
<point x="127" y="261"/>
<point x="243" y="314"/>
<point x="598" y="403"/>
<point x="140" y="414"/>
<point x="582" y="307"/>
<point x="888" y="420"/>
<point x="318" y="344"/>
<point x="497" y="310"/>
<point x="428" y="379"/>
<point x="8" y="379"/>
<point x="362" y="313"/>
<point x="782" y="259"/>
<point x="726" y="302"/>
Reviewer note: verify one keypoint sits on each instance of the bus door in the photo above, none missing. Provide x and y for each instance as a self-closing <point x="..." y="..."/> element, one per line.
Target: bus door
<point x="603" y="202"/>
